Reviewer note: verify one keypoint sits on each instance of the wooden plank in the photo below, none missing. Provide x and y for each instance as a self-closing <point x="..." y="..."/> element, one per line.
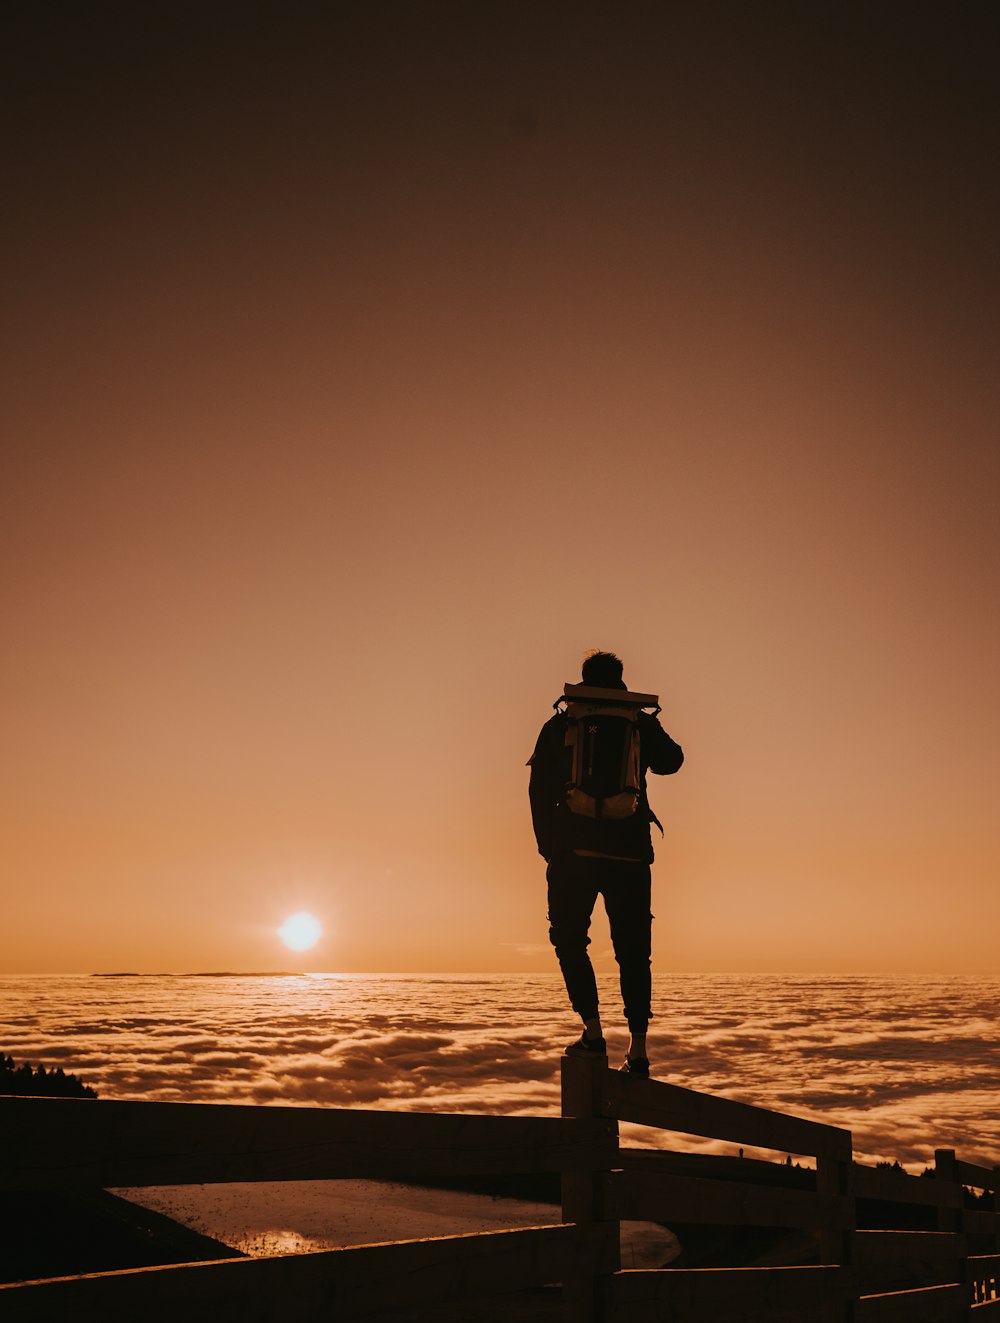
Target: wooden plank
<point x="981" y="1222"/>
<point x="982" y="1266"/>
<point x="653" y="1197"/>
<point x="932" y="1304"/>
<point x="56" y="1142"/>
<point x="901" y="1187"/>
<point x="332" y="1284"/>
<point x="723" y="1295"/>
<point x="904" y="1260"/>
<point x="670" y="1107"/>
<point x="992" y="1306"/>
<point x="981" y="1178"/>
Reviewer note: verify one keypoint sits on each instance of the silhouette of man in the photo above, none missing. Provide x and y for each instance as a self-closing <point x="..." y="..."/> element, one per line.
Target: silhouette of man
<point x="589" y="856"/>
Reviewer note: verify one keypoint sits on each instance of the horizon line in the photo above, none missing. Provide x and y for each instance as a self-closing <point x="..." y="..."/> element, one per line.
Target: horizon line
<point x="493" y="973"/>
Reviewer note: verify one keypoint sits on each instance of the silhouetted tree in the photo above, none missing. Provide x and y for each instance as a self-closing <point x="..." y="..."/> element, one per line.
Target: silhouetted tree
<point x="39" y="1082"/>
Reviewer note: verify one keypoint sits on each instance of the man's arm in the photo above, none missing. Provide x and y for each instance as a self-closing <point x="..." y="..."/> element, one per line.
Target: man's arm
<point x="545" y="786"/>
<point x="660" y="753"/>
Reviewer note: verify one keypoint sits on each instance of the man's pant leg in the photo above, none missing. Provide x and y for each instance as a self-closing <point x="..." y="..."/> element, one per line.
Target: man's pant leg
<point x="626" y="890"/>
<point x="572" y="895"/>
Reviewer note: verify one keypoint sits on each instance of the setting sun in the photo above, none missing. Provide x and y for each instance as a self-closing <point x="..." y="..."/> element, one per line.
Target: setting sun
<point x="300" y="931"/>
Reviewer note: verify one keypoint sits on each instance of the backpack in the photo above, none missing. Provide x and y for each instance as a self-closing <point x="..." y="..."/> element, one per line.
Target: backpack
<point x="603" y="754"/>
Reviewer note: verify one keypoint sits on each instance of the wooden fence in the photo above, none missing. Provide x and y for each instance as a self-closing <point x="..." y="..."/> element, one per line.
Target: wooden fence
<point x="926" y="1252"/>
<point x="886" y="1272"/>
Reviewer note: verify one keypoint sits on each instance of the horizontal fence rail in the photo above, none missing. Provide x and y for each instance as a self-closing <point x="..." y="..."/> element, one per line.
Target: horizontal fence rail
<point x="332" y="1284"/>
<point x="928" y="1249"/>
<point x="646" y="1196"/>
<point x="670" y="1107"/>
<point x="779" y="1295"/>
<point x="930" y="1304"/>
<point x="903" y="1260"/>
<point x="58" y="1142"/>
<point x="984" y="1178"/>
<point x="899" y="1187"/>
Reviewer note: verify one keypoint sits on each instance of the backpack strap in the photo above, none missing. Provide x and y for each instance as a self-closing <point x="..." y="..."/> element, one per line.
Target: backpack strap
<point x="631" y="758"/>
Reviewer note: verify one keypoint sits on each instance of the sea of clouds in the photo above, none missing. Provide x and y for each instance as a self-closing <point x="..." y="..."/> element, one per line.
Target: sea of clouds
<point x="907" y="1064"/>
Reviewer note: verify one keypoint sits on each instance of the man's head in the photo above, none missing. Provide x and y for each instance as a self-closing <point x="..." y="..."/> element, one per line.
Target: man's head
<point x="603" y="670"/>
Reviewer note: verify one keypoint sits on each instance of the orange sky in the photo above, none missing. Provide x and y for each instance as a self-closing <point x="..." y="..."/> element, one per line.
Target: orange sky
<point x="368" y="363"/>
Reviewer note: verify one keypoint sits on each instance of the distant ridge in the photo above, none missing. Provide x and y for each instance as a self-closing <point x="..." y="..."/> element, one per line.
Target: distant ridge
<point x="214" y="973"/>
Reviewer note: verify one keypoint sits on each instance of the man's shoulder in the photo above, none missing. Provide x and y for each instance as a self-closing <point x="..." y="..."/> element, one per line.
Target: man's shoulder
<point x="660" y="752"/>
<point x="553" y="731"/>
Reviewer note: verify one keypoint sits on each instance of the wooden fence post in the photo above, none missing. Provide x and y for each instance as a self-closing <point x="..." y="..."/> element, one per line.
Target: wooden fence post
<point x="583" y="1201"/>
<point x="835" y="1180"/>
<point x="953" y="1220"/>
<point x="994" y="1286"/>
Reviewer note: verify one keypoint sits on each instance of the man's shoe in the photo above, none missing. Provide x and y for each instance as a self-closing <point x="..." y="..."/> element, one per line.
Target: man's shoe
<point x="636" y="1066"/>
<point x="588" y="1047"/>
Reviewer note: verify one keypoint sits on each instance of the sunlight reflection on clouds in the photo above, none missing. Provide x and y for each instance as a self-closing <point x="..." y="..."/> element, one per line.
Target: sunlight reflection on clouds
<point x="907" y="1064"/>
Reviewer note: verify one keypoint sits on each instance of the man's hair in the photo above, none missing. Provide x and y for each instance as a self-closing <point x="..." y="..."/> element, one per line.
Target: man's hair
<point x="603" y="670"/>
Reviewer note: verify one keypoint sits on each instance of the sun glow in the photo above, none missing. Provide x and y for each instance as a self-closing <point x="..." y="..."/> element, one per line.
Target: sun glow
<point x="300" y="931"/>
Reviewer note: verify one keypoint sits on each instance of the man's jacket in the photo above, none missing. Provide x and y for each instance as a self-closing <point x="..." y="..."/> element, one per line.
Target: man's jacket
<point x="558" y="831"/>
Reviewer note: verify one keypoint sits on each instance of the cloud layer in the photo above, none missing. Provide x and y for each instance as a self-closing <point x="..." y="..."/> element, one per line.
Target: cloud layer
<point x="909" y="1065"/>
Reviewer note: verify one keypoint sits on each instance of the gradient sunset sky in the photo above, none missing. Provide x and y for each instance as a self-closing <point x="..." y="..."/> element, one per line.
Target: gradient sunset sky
<point x="366" y="363"/>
